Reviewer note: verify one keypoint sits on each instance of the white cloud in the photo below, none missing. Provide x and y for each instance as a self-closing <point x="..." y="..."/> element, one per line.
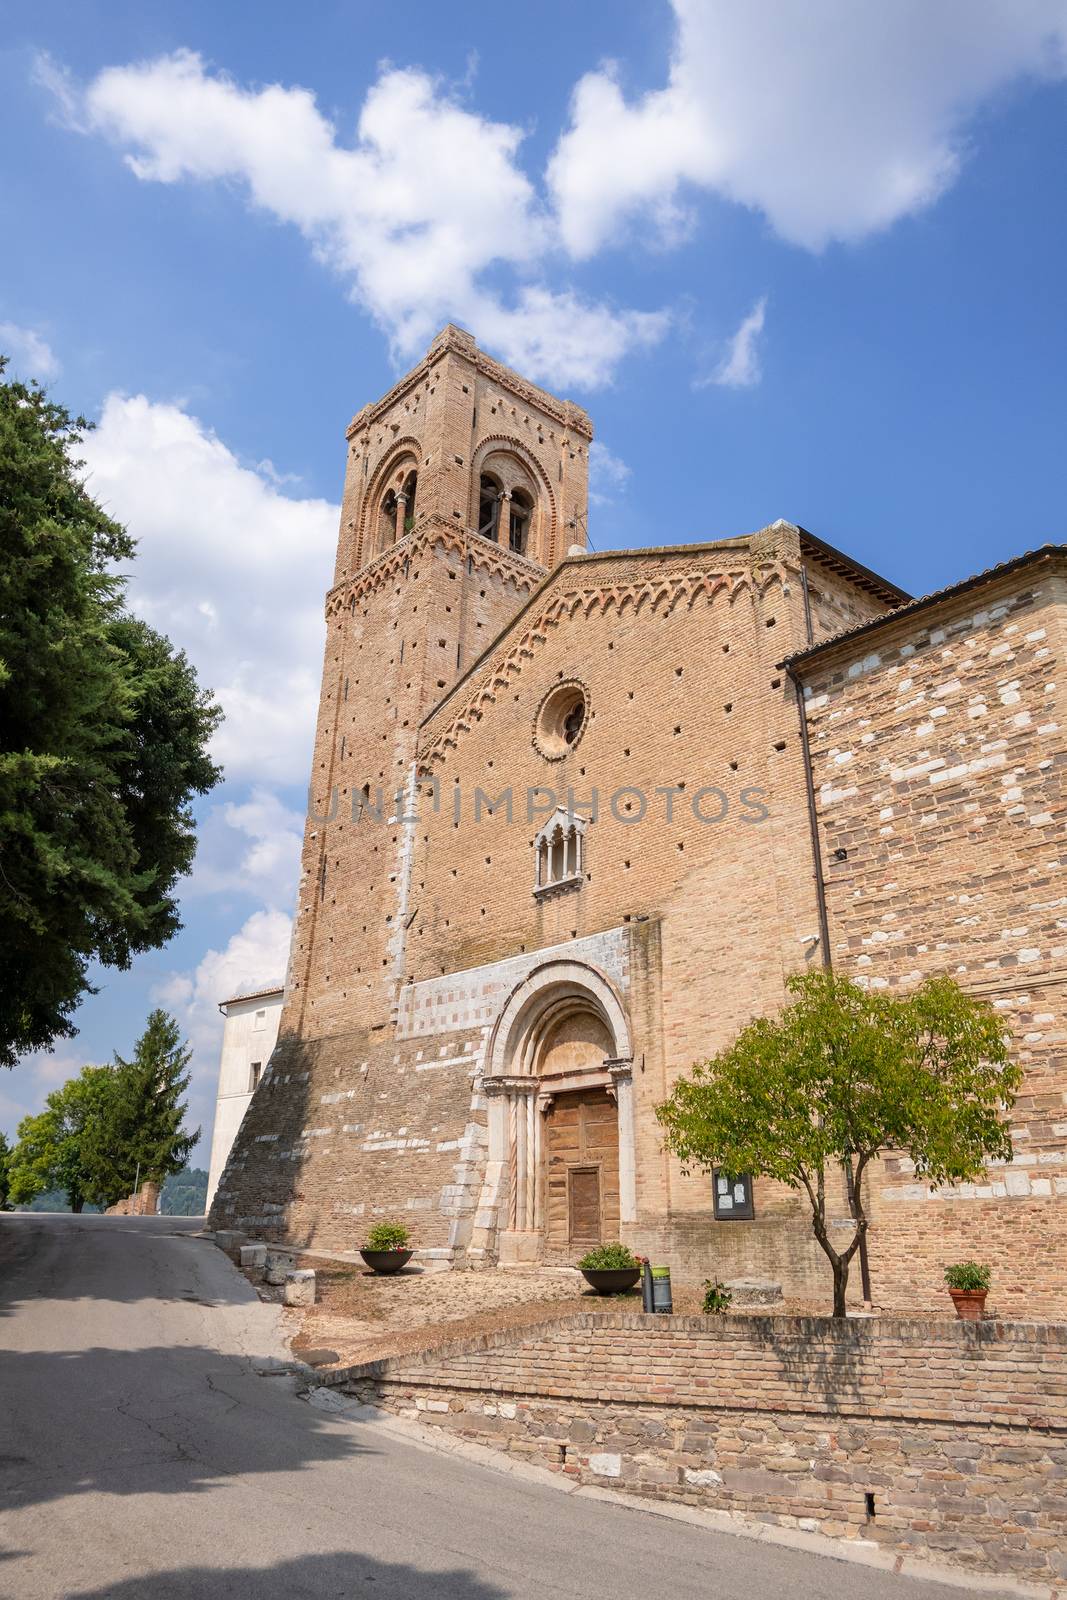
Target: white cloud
<point x="740" y="367"/>
<point x="31" y="355"/>
<point x="229" y="568"/>
<point x="412" y="214"/>
<point x="833" y="120"/>
<point x="608" y="475"/>
<point x="251" y="847"/>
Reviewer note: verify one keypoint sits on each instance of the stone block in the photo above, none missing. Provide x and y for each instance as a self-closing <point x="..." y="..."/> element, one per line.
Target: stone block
<point x="254" y="1255"/>
<point x="277" y="1265"/>
<point x="230" y="1240"/>
<point x="299" y="1287"/>
<point x="755" y="1291"/>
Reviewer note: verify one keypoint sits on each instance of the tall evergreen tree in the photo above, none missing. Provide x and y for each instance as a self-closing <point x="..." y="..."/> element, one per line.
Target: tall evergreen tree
<point x="103" y="737"/>
<point x="140" y="1136"/>
<point x="5" y="1179"/>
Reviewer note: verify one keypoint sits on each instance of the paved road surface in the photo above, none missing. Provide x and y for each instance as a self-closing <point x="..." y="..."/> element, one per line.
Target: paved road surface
<point x="142" y="1458"/>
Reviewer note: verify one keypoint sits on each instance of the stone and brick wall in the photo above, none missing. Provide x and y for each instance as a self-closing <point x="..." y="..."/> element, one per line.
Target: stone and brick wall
<point x="937" y="748"/>
<point x="145" y="1203"/>
<point x="941" y="1439"/>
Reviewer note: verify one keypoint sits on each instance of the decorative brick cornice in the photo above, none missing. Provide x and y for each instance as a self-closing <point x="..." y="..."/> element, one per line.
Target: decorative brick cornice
<point x="432" y="533"/>
<point x="556" y="605"/>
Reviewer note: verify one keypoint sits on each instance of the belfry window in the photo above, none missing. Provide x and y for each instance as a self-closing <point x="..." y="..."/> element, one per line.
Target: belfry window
<point x="387" y="529"/>
<point x="560" y="853"/>
<point x="519" y="522"/>
<point x="488" y="506"/>
<point x="407" y="503"/>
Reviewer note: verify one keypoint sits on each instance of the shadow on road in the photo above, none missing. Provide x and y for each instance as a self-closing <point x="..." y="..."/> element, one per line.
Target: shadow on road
<point x="176" y="1420"/>
<point x="340" y="1574"/>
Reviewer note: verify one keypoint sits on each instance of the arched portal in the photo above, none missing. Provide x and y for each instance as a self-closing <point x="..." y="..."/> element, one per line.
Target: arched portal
<point x="561" y="1137"/>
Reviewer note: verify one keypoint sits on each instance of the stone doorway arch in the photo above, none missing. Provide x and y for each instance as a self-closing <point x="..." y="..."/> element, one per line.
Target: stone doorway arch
<point x="559" y="1082"/>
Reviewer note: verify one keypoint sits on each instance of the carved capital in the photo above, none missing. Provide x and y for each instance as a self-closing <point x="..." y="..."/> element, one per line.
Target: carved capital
<point x="509" y="1083"/>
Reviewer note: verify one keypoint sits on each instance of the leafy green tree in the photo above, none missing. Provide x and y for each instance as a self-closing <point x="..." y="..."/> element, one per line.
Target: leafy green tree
<point x="104" y="737"/>
<point x="139" y="1136"/>
<point x="841" y="1074"/>
<point x="54" y="1149"/>
<point x="5" y="1181"/>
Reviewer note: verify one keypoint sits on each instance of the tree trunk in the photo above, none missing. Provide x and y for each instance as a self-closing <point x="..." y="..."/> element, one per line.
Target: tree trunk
<point x="76" y="1202"/>
<point x="840" y="1285"/>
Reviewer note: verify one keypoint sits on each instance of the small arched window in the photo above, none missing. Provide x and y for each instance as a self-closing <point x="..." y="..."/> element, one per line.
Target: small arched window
<point x="560" y="853"/>
<point x="519" y="522"/>
<point x="488" y="506"/>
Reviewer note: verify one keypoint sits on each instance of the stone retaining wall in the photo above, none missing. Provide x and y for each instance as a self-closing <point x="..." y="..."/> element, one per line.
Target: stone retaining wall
<point x="941" y="1439"/>
<point x="145" y="1203"/>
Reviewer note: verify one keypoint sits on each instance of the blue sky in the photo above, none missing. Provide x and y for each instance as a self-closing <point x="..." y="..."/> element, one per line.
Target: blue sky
<point x="797" y="260"/>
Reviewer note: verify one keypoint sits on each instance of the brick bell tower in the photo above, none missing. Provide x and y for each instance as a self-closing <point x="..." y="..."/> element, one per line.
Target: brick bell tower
<point x="464" y="485"/>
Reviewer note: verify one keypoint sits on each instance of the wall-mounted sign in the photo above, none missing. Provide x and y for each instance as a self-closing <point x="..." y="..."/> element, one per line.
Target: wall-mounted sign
<point x="732" y="1196"/>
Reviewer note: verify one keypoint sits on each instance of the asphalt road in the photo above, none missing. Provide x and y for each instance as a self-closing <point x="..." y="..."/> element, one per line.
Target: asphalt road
<point x="143" y="1458"/>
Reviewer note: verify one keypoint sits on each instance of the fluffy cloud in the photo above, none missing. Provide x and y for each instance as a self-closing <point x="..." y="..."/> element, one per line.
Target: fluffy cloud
<point x="740" y="367"/>
<point x="229" y="567"/>
<point x="833" y="120"/>
<point x="608" y="475"/>
<point x="31" y="355"/>
<point x="412" y="214"/>
<point x="250" y="847"/>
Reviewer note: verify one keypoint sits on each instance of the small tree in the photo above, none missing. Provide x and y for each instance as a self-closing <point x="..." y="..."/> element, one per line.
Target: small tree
<point x="841" y="1074"/>
<point x="5" y="1180"/>
<point x="54" y="1149"/>
<point x="141" y="1136"/>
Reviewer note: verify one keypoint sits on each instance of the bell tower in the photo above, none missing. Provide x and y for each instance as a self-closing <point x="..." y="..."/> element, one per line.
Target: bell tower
<point x="464" y="485"/>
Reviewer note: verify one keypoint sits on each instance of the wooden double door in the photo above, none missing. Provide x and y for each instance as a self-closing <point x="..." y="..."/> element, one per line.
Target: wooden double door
<point x="581" y="1173"/>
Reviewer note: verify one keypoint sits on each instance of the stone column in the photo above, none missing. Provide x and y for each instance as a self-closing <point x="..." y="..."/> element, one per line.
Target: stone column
<point x="401" y="513"/>
<point x="503" y="520"/>
<point x="513" y="1129"/>
<point x="622" y="1090"/>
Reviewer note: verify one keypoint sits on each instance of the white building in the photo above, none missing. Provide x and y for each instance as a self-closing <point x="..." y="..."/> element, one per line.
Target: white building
<point x="248" y="1037"/>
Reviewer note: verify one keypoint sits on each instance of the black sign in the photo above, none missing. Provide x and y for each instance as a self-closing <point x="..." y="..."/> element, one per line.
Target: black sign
<point x="732" y="1197"/>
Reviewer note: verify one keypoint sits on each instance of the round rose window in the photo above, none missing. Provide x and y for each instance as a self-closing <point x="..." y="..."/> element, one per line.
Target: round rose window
<point x="561" y="720"/>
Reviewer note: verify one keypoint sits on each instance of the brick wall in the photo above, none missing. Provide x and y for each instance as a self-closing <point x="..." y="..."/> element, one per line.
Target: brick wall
<point x="958" y="1431"/>
<point x="937" y="752"/>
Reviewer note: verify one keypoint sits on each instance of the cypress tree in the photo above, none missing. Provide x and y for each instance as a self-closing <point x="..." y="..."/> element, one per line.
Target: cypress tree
<point x="141" y="1131"/>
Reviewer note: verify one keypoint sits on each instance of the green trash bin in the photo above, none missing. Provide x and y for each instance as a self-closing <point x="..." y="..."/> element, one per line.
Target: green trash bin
<point x="661" y="1291"/>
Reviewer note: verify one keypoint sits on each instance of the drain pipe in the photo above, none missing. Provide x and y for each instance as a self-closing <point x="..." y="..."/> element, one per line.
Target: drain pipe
<point x="824" y="920"/>
<point x="813" y="818"/>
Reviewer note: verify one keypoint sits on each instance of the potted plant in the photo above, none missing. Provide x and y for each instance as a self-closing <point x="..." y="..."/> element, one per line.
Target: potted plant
<point x="610" y="1268"/>
<point x="968" y="1284"/>
<point x="386" y="1249"/>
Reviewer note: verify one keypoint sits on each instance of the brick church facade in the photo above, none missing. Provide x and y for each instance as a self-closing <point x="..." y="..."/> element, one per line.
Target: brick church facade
<point x="574" y="818"/>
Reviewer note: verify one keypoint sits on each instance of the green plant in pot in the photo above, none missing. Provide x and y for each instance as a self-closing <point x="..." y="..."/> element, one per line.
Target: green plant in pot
<point x="610" y="1268"/>
<point x="387" y="1248"/>
<point x="968" y="1284"/>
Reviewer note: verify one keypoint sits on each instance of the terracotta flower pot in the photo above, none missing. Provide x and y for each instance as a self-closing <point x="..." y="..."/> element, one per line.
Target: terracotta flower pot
<point x="969" y="1303"/>
<point x="386" y="1260"/>
<point x="611" y="1281"/>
